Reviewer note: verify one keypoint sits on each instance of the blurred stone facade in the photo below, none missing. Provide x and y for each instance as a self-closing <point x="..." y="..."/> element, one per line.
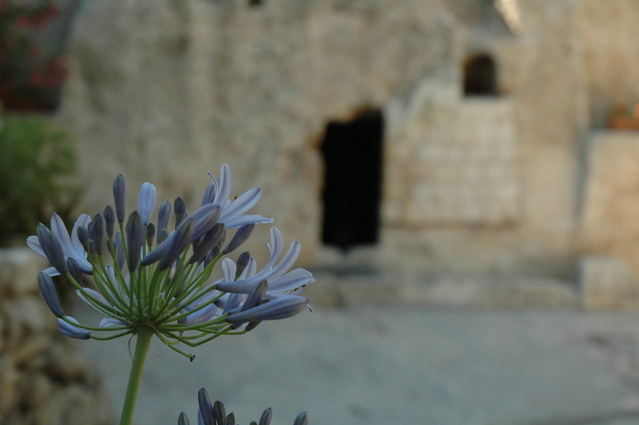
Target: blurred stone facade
<point x="44" y="377"/>
<point x="515" y="184"/>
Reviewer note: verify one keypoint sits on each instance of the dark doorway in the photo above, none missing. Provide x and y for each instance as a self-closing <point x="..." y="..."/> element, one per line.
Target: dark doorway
<point x="352" y="183"/>
<point x="480" y="76"/>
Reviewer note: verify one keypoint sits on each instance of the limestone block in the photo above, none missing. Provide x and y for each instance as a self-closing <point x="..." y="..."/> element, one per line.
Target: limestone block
<point x="27" y="328"/>
<point x="19" y="268"/>
<point x="455" y="163"/>
<point x="607" y="284"/>
<point x="610" y="217"/>
<point x="492" y="292"/>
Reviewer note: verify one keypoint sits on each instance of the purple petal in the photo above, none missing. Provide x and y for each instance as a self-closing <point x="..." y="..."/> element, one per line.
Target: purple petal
<point x="224" y="186"/>
<point x="82" y="221"/>
<point x="242" y="204"/>
<point x="246" y="219"/>
<point x="291" y="281"/>
<point x="34" y="244"/>
<point x="60" y="231"/>
<point x="275" y="248"/>
<point x="109" y="321"/>
<point x="280" y="308"/>
<point x="229" y="268"/>
<point x="287" y="261"/>
<point x="202" y="315"/>
<point x="72" y="331"/>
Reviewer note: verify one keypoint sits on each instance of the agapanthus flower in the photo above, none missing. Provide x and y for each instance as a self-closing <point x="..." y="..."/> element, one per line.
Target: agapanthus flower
<point x="71" y="246"/>
<point x="215" y="413"/>
<point x="281" y="281"/>
<point x="145" y="275"/>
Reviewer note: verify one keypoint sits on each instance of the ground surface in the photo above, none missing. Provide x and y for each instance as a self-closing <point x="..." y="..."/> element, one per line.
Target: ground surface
<point x="401" y="366"/>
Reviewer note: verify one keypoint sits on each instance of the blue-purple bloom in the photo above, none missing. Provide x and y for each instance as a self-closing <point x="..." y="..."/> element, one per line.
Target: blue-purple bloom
<point x="168" y="287"/>
<point x="280" y="280"/>
<point x="70" y="329"/>
<point x="146" y="201"/>
<point x="215" y="413"/>
<point x="71" y="246"/>
<point x="49" y="294"/>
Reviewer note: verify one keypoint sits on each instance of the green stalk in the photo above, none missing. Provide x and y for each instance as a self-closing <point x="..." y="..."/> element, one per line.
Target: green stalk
<point x="145" y="333"/>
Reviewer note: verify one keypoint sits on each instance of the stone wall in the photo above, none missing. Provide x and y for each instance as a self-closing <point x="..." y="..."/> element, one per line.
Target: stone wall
<point x="164" y="91"/>
<point x="44" y="377"/>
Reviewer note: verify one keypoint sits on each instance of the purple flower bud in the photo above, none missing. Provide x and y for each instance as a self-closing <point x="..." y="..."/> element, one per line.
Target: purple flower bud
<point x="221" y="242"/>
<point x="180" y="211"/>
<point x="250" y="326"/>
<point x="119" y="192"/>
<point x="205" y="218"/>
<point x="219" y="411"/>
<point x="163" y="235"/>
<point x="240" y="236"/>
<point x="178" y="243"/>
<point x="230" y="419"/>
<point x="265" y="419"/>
<point x="92" y="247"/>
<point x="97" y="232"/>
<point x="164" y="216"/>
<point x="206" y="407"/>
<point x="253" y="299"/>
<point x="84" y="238"/>
<point x="74" y="269"/>
<point x="150" y="234"/>
<point x="183" y="420"/>
<point x="207" y="259"/>
<point x="242" y="262"/>
<point x="109" y="219"/>
<point x="209" y="241"/>
<point x="279" y="308"/>
<point x="301" y="419"/>
<point x="255" y="296"/>
<point x="49" y="293"/>
<point x="146" y="201"/>
<point x="72" y="331"/>
<point x="51" y="248"/>
<point x="134" y="236"/>
<point x="232" y="302"/>
<point x="120" y="250"/>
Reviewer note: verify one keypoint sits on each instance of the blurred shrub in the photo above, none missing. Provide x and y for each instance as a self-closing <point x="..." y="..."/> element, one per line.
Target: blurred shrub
<point x="35" y="159"/>
<point x="32" y="68"/>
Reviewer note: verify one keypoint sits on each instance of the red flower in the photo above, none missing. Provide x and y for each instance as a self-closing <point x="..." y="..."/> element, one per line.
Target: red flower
<point x="37" y="79"/>
<point x="23" y="22"/>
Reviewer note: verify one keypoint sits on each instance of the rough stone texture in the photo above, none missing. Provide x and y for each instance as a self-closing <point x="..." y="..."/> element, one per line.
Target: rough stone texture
<point x="163" y="91"/>
<point x="352" y="288"/>
<point x="16" y="271"/>
<point x="610" y="53"/>
<point x="609" y="223"/>
<point x="44" y="378"/>
<point x="607" y="284"/>
<point x="463" y="166"/>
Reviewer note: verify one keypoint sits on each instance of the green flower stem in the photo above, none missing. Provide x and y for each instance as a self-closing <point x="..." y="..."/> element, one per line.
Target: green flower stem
<point x="145" y="333"/>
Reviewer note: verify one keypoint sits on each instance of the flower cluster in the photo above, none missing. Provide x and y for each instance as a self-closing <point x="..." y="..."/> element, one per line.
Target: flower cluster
<point x="215" y="414"/>
<point x="144" y="275"/>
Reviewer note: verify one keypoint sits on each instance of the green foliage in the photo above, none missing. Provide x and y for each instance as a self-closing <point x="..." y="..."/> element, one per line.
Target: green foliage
<point x="35" y="156"/>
